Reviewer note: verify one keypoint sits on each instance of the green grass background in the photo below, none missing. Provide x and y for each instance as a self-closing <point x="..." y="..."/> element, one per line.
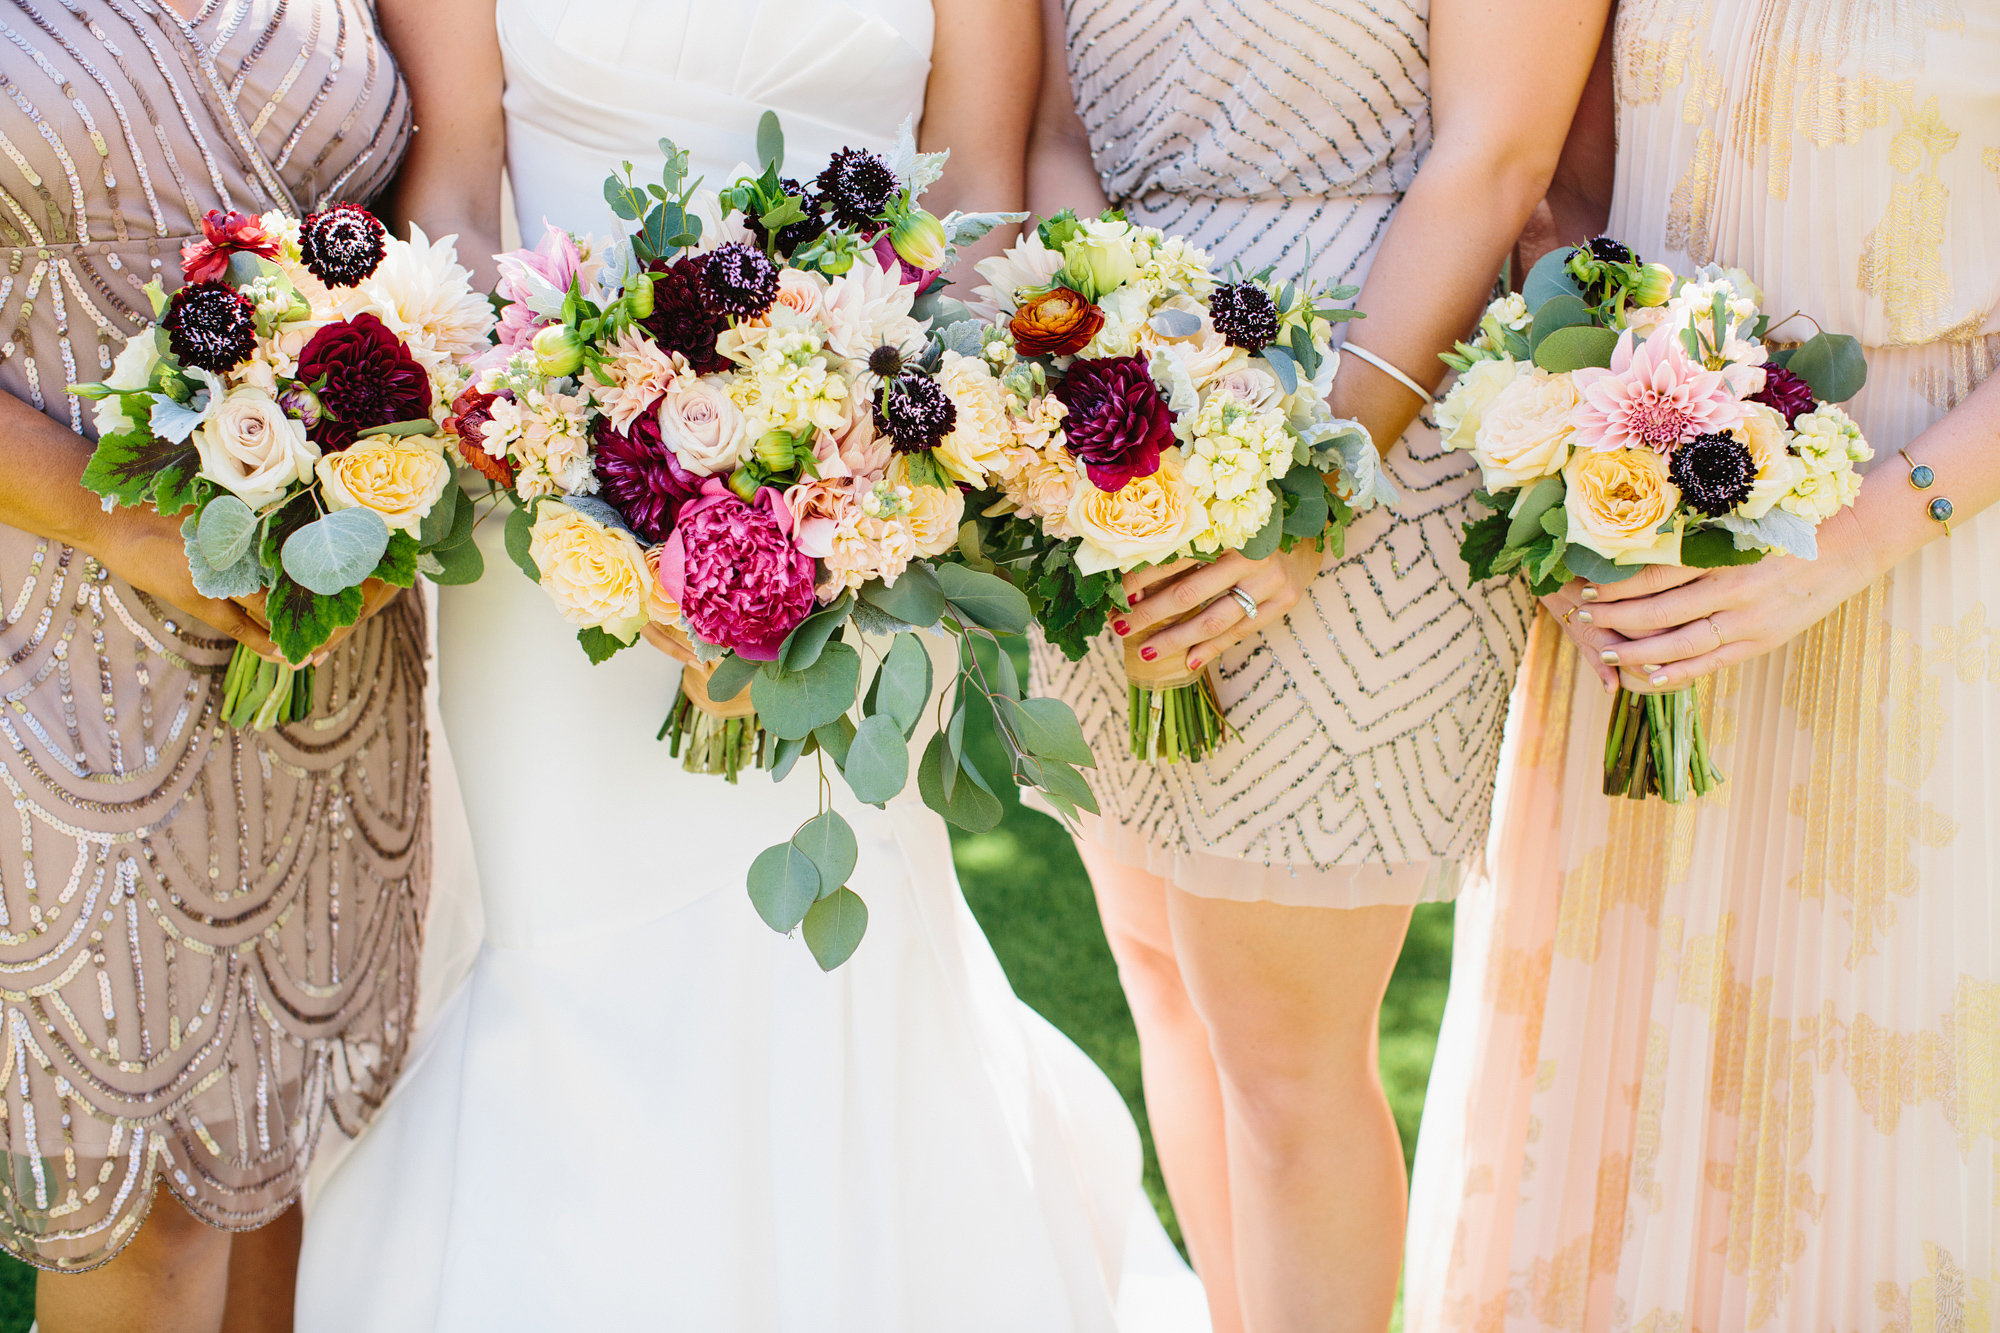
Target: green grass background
<point x="1028" y="890"/>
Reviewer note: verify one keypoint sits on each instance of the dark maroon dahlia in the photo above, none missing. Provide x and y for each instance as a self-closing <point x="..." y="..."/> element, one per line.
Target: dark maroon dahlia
<point x="738" y="279"/>
<point x="640" y="476"/>
<point x="1785" y="393"/>
<point x="1117" y="424"/>
<point x="364" y="377"/>
<point x="914" y="410"/>
<point x="1714" y="472"/>
<point x="1245" y="315"/>
<point x="211" y="326"/>
<point x="793" y="234"/>
<point x="682" y="320"/>
<point x="857" y="188"/>
<point x="343" y="245"/>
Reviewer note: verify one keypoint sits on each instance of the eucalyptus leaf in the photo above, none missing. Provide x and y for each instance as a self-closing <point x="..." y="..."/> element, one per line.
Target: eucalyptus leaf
<point x="1712" y="548"/>
<point x="985" y="599"/>
<point x="1575" y="348"/>
<point x="600" y="511"/>
<point x="784" y="884"/>
<point x="1173" y="323"/>
<point x="731" y="674"/>
<point x="770" y="142"/>
<point x="802" y="647"/>
<point x="1549" y="278"/>
<point x="835" y="737"/>
<point x="1537" y="500"/>
<point x="1778" y="530"/>
<point x="1558" y="312"/>
<point x="1588" y="565"/>
<point x="968" y="805"/>
<point x="828" y="840"/>
<point x="519" y="535"/>
<point x="878" y="760"/>
<point x="1308" y="517"/>
<point x="903" y="687"/>
<point x="1264" y="542"/>
<point x="793" y="703"/>
<point x="1048" y="728"/>
<point x="227" y="528"/>
<point x="439" y="524"/>
<point x="1282" y="366"/>
<point x="336" y="551"/>
<point x="1059" y="778"/>
<point x="1832" y="365"/>
<point x="834" y="927"/>
<point x="449" y="566"/>
<point x="240" y="578"/>
<point x="915" y="599"/>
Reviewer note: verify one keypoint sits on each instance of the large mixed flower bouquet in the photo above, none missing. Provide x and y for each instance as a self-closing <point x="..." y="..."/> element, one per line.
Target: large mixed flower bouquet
<point x="1144" y="411"/>
<point x="289" y="400"/>
<point x="1621" y="417"/>
<point x="732" y="424"/>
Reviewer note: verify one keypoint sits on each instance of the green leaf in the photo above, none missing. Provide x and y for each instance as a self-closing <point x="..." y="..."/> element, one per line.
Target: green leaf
<point x="792" y="703"/>
<point x="1558" y="312"/>
<point x="835" y="738"/>
<point x="1713" y="548"/>
<point x="413" y="426"/>
<point x="1832" y="365"/>
<point x="1588" y="565"/>
<point x="239" y="579"/>
<point x="985" y="599"/>
<point x="878" y="762"/>
<point x="915" y="600"/>
<point x="969" y="806"/>
<point x="449" y="566"/>
<point x="1308" y="517"/>
<point x="954" y="748"/>
<point x="337" y="550"/>
<point x="440" y="522"/>
<point x="1545" y="562"/>
<point x="731" y="674"/>
<point x="1048" y="728"/>
<point x="519" y="533"/>
<point x="1549" y="279"/>
<point x="1264" y="542"/>
<point x="302" y="620"/>
<point x="802" y="646"/>
<point x="1060" y="778"/>
<point x="619" y="197"/>
<point x="786" y="752"/>
<point x="129" y="467"/>
<point x="784" y="884"/>
<point x="903" y="686"/>
<point x="598" y="645"/>
<point x="225" y="531"/>
<point x="835" y="925"/>
<point x="1575" y="348"/>
<point x="398" y="565"/>
<point x="770" y="142"/>
<point x="1526" y="523"/>
<point x="1483" y="541"/>
<point x="1283" y="367"/>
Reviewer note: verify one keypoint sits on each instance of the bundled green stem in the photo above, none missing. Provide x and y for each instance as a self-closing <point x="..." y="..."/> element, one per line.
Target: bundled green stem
<point x="262" y="694"/>
<point x="720" y="746"/>
<point x="1176" y="723"/>
<point x="1655" y="746"/>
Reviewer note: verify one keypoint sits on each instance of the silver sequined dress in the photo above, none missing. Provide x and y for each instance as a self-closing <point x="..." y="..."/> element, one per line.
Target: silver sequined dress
<point x="208" y="938"/>
<point x="1370" y="720"/>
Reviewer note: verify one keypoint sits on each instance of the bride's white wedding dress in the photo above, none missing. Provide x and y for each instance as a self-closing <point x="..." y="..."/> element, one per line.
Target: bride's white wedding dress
<point x="644" y="1109"/>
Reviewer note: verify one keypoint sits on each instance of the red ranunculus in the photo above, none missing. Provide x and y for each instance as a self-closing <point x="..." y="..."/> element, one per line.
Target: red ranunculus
<point x="223" y="234"/>
<point x="1117" y="423"/>
<point x="364" y="377"/>
<point x="471" y="414"/>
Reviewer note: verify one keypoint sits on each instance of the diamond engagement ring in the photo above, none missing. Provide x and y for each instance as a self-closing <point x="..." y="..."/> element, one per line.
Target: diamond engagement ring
<point x="1246" y="601"/>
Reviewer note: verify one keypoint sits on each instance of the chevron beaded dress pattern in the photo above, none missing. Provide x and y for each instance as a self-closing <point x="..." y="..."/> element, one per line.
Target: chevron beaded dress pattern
<point x="1370" y="719"/>
<point x="208" y="937"/>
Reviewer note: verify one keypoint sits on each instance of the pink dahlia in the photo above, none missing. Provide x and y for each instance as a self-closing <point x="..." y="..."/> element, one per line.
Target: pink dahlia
<point x="1654" y="396"/>
<point x="735" y="572"/>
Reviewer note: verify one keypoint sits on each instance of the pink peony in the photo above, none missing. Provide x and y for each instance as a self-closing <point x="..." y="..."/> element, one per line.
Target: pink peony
<point x="1654" y="396"/>
<point x="735" y="573"/>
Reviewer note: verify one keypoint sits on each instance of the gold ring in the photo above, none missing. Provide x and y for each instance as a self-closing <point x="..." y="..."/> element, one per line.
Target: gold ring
<point x="1713" y="630"/>
<point x="1567" y="614"/>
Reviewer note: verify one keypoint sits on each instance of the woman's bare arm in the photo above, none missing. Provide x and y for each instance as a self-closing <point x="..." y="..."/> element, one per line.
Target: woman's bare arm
<point x="1578" y="205"/>
<point x="985" y="65"/>
<point x="1061" y="173"/>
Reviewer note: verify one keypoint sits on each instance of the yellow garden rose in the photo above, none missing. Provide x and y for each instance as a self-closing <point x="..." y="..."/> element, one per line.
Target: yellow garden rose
<point x="979" y="441"/>
<point x="1763" y="431"/>
<point x="1618" y="498"/>
<point x="399" y="478"/>
<point x="597" y="575"/>
<point x="1145" y="521"/>
<point x="935" y="511"/>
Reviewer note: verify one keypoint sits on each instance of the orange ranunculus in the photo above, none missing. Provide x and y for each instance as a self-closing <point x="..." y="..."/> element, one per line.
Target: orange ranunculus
<point x="1059" y="322"/>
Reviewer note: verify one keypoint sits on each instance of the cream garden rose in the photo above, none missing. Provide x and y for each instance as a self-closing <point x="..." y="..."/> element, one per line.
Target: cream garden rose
<point x="249" y="447"/>
<point x="1525" y="433"/>
<point x="1763" y="433"/>
<point x="935" y="511"/>
<point x="399" y="478"/>
<point x="1146" y="521"/>
<point x="1459" y="415"/>
<point x="597" y="575"/>
<point x="978" y="442"/>
<point x="701" y="423"/>
<point x="1617" y="500"/>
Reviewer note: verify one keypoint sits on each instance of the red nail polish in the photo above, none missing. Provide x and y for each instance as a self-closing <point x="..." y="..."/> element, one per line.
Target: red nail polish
<point x="1132" y="600"/>
<point x="1194" y="664"/>
<point x="1121" y="627"/>
<point x="1149" y="653"/>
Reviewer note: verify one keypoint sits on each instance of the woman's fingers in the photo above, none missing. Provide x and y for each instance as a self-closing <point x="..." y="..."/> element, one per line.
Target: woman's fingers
<point x="1648" y="617"/>
<point x="1592" y="642"/>
<point x="1680" y="645"/>
<point x="1139" y="580"/>
<point x="1189" y="591"/>
<point x="1651" y="579"/>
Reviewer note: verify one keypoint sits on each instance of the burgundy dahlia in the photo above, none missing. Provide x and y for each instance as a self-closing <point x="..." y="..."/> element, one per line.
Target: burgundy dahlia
<point x="739" y="280"/>
<point x="211" y="326"/>
<point x="343" y="245"/>
<point x="364" y="377"/>
<point x="914" y="410"/>
<point x="1245" y="315"/>
<point x="682" y="320"/>
<point x="1785" y="394"/>
<point x="640" y="476"/>
<point x="857" y="188"/>
<point x="471" y="414"/>
<point x="1117" y="424"/>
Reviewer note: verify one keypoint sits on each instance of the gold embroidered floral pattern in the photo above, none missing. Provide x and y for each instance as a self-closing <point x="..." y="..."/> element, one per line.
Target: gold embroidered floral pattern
<point x="1945" y="1300"/>
<point x="1646" y="847"/>
<point x="1903" y="260"/>
<point x="1559" y="1288"/>
<point x="1954" y="1066"/>
<point x="1970" y="357"/>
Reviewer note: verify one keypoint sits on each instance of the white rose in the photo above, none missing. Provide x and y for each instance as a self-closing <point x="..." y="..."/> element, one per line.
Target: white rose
<point x="1459" y="415"/>
<point x="702" y="425"/>
<point x="249" y="447"/>
<point x="1525" y="433"/>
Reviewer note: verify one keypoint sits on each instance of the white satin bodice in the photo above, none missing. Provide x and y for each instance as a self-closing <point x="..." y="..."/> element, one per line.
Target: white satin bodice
<point x="588" y="81"/>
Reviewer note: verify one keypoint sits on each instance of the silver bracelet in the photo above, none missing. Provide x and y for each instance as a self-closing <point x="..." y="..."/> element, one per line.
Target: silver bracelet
<point x="1387" y="369"/>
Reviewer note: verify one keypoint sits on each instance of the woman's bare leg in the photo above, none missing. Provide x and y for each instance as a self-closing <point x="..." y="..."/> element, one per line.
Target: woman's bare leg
<point x="172" y="1278"/>
<point x="264" y="1276"/>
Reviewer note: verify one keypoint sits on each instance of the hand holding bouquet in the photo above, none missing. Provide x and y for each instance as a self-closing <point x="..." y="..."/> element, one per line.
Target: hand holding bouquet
<point x="1622" y="417"/>
<point x="1150" y="414"/>
<point x="288" y="400"/>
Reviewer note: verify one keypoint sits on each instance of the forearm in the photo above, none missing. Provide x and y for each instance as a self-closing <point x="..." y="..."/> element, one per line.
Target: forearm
<point x="1891" y="515"/>
<point x="979" y="103"/>
<point x="41" y="471"/>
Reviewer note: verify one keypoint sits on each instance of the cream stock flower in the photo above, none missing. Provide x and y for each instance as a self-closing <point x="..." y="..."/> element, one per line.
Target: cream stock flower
<point x="1232" y="520"/>
<point x="1144" y="522"/>
<point x="1617" y="500"/>
<point x="249" y="447"/>
<point x="1459" y="414"/>
<point x="1525" y="431"/>
<point x="979" y="440"/>
<point x="1231" y="450"/>
<point x="399" y="477"/>
<point x="598" y="576"/>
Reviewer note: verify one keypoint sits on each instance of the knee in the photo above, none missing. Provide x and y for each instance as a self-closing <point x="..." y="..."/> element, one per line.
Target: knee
<point x="1151" y="979"/>
<point x="1289" y="1090"/>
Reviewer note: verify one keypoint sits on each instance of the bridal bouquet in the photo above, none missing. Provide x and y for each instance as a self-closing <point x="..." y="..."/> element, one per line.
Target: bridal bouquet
<point x="733" y="424"/>
<point x="1147" y="412"/>
<point x="288" y="401"/>
<point x="1622" y="416"/>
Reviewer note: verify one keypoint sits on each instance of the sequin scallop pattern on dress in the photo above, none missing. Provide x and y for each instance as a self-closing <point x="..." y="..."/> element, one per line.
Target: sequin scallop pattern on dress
<point x="208" y="938"/>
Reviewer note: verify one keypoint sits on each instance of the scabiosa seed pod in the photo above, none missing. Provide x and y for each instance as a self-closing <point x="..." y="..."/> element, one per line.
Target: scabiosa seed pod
<point x="211" y="325"/>
<point x="1785" y="393"/>
<point x="857" y="187"/>
<point x="681" y="320"/>
<point x="886" y="361"/>
<point x="738" y="280"/>
<point x="1714" y="473"/>
<point x="1591" y="264"/>
<point x="1245" y="315"/>
<point x="914" y="410"/>
<point x="343" y="245"/>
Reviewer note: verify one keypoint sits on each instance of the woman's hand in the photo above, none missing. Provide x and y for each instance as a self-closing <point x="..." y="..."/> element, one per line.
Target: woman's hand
<point x="375" y="594"/>
<point x="147" y="551"/>
<point x="1275" y="583"/>
<point x="1567" y="605"/>
<point x="671" y="642"/>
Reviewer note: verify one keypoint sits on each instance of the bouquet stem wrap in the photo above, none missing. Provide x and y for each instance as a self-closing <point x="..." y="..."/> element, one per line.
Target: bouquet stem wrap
<point x="1655" y="747"/>
<point x="721" y="738"/>
<point x="1176" y="713"/>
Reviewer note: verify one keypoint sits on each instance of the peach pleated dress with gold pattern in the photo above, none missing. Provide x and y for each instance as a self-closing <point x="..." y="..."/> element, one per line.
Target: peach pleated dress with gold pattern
<point x="208" y="937"/>
<point x="1736" y="1065"/>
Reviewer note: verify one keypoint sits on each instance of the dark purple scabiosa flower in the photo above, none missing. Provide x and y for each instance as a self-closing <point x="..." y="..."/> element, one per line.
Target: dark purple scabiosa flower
<point x="793" y="234"/>
<point x="857" y="188"/>
<point x="211" y="326"/>
<point x="914" y="410"/>
<point x="343" y="245"/>
<point x="738" y="279"/>
<point x="1245" y="315"/>
<point x="1587" y="265"/>
<point x="364" y="377"/>
<point x="682" y="320"/>
<point x="639" y="475"/>
<point x="1117" y="424"/>
<point x="1785" y="393"/>
<point x="1714" y="472"/>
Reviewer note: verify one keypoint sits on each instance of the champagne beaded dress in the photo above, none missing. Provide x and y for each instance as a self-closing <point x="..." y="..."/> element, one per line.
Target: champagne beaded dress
<point x="208" y="937"/>
<point x="1368" y="722"/>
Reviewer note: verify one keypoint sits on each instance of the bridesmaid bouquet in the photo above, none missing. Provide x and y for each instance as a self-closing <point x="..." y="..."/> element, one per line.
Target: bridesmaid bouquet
<point x="1622" y="416"/>
<point x="1146" y="412"/>
<point x="733" y="424"/>
<point x="288" y="400"/>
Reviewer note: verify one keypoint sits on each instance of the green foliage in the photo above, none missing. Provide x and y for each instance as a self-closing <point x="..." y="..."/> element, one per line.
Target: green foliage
<point x="1558" y="312"/>
<point x="336" y="551"/>
<point x="792" y="703"/>
<point x="1549" y="279"/>
<point x="519" y="534"/>
<point x="137" y="468"/>
<point x="398" y="565"/>
<point x="969" y="805"/>
<point x="784" y="884"/>
<point x="916" y="599"/>
<point x="302" y="620"/>
<point x="834" y="927"/>
<point x="802" y="646"/>
<point x="1574" y="348"/>
<point x="225" y="530"/>
<point x="731" y="674"/>
<point x="878" y="760"/>
<point x="1482" y="543"/>
<point x="599" y="645"/>
<point x="829" y="843"/>
<point x="1712" y="548"/>
<point x="986" y="600"/>
<point x="1588" y="564"/>
<point x="903" y="686"/>
<point x="1831" y="364"/>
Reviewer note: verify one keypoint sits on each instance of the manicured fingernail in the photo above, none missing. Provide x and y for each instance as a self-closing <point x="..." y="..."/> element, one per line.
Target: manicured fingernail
<point x="1194" y="664"/>
<point x="1609" y="657"/>
<point x="1132" y="600"/>
<point x="1589" y="594"/>
<point x="1650" y="669"/>
<point x="1150" y="653"/>
<point x="1660" y="679"/>
<point x="1583" y="618"/>
<point x="1611" y="687"/>
<point x="1121" y="627"/>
